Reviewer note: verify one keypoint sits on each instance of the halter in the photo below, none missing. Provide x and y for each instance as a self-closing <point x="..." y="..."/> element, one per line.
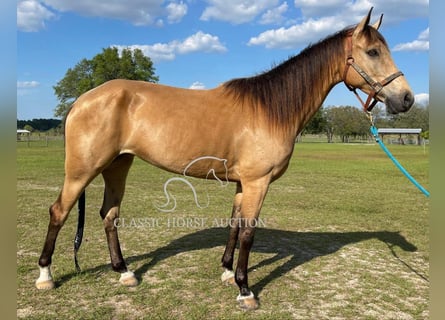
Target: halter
<point x="376" y="86"/>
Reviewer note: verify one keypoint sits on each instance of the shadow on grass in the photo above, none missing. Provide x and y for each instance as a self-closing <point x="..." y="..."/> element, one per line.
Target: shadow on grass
<point x="300" y="247"/>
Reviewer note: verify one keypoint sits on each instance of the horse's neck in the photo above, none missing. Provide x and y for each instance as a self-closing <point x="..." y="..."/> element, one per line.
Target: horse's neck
<point x="291" y="93"/>
<point x="317" y="84"/>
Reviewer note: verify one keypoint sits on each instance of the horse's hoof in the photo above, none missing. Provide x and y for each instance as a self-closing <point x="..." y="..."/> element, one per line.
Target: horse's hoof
<point x="45" y="280"/>
<point x="228" y="277"/>
<point x="128" y="279"/>
<point x="248" y="302"/>
<point x="45" y="285"/>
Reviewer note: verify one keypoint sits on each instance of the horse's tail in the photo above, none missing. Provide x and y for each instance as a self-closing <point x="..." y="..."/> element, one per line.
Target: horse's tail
<point x="80" y="225"/>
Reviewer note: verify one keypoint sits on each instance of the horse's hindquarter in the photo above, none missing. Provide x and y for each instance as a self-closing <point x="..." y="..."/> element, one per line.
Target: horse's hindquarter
<point x="172" y="127"/>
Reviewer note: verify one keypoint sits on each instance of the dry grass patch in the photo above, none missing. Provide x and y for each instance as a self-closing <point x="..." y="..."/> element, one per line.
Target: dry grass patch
<point x="345" y="237"/>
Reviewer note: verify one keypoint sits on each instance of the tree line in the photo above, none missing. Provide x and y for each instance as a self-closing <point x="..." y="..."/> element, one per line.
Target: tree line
<point x="40" y="125"/>
<point x="349" y="122"/>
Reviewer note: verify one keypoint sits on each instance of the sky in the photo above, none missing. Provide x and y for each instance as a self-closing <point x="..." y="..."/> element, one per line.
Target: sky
<point x="201" y="44"/>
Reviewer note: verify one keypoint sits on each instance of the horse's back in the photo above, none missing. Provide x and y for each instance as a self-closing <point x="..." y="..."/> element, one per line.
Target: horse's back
<point x="164" y="125"/>
<point x="118" y="102"/>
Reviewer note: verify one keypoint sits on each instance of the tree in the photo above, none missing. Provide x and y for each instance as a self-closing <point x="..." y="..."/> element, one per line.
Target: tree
<point x="380" y="116"/>
<point x="345" y="121"/>
<point x="416" y="117"/>
<point x="29" y="128"/>
<point x="317" y="123"/>
<point x="105" y="66"/>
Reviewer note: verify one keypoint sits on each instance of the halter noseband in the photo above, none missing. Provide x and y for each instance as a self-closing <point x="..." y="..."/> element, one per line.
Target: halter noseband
<point x="376" y="86"/>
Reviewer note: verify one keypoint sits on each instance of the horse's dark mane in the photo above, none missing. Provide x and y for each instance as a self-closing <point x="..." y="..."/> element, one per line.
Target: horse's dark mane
<point x="283" y="92"/>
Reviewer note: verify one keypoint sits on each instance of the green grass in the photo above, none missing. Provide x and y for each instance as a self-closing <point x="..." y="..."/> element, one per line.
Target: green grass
<point x="345" y="236"/>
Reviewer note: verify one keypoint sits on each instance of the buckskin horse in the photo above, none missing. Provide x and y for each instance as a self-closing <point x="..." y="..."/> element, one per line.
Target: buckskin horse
<point x="250" y="122"/>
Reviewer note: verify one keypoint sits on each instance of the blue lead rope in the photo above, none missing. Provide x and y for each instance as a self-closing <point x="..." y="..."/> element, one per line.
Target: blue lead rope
<point x="375" y="134"/>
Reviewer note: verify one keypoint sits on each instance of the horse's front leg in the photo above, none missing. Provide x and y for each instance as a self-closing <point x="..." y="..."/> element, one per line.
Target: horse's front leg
<point x="253" y="196"/>
<point x="228" y="276"/>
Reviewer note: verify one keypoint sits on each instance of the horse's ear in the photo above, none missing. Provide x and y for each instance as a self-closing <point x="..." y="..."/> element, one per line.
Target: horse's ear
<point x="363" y="24"/>
<point x="377" y="24"/>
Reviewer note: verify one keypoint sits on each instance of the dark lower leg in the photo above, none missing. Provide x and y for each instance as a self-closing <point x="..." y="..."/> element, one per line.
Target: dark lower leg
<point x="58" y="213"/>
<point x="57" y="218"/>
<point x="246" y="241"/>
<point x="118" y="264"/>
<point x="227" y="258"/>
<point x="117" y="260"/>
<point x="48" y="248"/>
<point x="109" y="214"/>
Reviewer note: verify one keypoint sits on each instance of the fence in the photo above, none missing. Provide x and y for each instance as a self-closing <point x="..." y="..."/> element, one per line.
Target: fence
<point x="39" y="140"/>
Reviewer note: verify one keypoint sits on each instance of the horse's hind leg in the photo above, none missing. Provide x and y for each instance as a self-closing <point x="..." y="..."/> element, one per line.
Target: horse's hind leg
<point x="115" y="176"/>
<point x="73" y="186"/>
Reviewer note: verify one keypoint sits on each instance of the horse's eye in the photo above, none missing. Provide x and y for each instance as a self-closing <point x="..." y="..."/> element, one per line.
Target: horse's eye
<point x="373" y="53"/>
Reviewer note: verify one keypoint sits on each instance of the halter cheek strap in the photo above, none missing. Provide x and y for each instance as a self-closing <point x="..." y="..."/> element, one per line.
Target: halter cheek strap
<point x="376" y="86"/>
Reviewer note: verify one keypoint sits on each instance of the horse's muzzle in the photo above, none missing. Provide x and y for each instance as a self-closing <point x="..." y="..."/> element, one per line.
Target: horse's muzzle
<point x="399" y="103"/>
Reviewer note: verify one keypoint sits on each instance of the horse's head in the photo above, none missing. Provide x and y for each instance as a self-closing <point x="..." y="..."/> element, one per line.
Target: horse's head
<point x="370" y="68"/>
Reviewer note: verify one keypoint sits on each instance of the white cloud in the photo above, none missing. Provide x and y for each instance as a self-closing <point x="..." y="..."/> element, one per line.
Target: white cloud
<point x="176" y="11"/>
<point x="317" y="8"/>
<point x="235" y="11"/>
<point x="321" y="18"/>
<point x="138" y="12"/>
<point x="274" y="15"/>
<point x="425" y="34"/>
<point x="27" y="84"/>
<point x="422" y="99"/>
<point x="396" y="11"/>
<point x="31" y="15"/>
<point x="416" y="45"/>
<point x="198" y="42"/>
<point x="157" y="52"/>
<point x="356" y="9"/>
<point x="197" y="86"/>
<point x="297" y="35"/>
<point x="422" y="43"/>
<point x="25" y="87"/>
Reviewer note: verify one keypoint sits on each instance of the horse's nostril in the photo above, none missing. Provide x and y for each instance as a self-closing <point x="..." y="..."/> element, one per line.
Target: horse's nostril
<point x="408" y="100"/>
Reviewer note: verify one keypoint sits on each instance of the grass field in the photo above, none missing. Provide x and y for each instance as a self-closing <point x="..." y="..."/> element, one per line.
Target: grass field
<point x="344" y="235"/>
